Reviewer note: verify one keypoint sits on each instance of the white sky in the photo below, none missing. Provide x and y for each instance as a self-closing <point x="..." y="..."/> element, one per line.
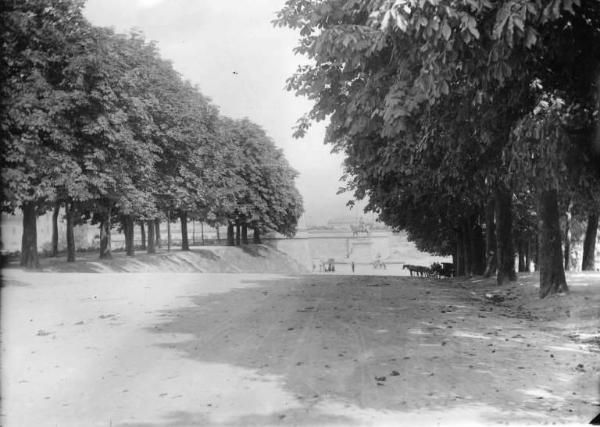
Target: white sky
<point x="207" y="40"/>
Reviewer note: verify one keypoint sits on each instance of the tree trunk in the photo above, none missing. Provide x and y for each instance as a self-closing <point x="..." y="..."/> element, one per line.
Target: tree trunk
<point x="567" y="238"/>
<point x="237" y="235"/>
<point x="528" y="254"/>
<point x="589" y="244"/>
<point x="105" y="249"/>
<point x="244" y="234"/>
<point x="466" y="247"/>
<point x="168" y="231"/>
<point x="491" y="264"/>
<point x="504" y="246"/>
<point x="552" y="274"/>
<point x="128" y="227"/>
<point x="256" y="236"/>
<point x="143" y="233"/>
<point x="55" y="229"/>
<point x="151" y="249"/>
<point x="69" y="210"/>
<point x="185" y="244"/>
<point x="29" y="254"/>
<point x="521" y="255"/>
<point x="460" y="255"/>
<point x="230" y="235"/>
<point x="536" y="254"/>
<point x="202" y="232"/>
<point x="218" y="234"/>
<point x="477" y="247"/>
<point x="157" y="231"/>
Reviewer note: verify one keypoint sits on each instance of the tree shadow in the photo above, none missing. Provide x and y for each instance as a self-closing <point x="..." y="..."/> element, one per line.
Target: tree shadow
<point x="328" y="340"/>
<point x="254" y="250"/>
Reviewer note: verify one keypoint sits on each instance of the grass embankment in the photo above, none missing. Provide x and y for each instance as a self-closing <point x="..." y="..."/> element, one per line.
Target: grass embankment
<point x="207" y="259"/>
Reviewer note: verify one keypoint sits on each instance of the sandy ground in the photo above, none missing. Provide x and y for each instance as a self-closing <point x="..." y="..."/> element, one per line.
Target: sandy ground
<point x="179" y="349"/>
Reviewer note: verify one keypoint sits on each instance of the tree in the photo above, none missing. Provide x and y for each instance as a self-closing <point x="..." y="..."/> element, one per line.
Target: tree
<point x="267" y="198"/>
<point x="381" y="70"/>
<point x="38" y="37"/>
<point x="589" y="244"/>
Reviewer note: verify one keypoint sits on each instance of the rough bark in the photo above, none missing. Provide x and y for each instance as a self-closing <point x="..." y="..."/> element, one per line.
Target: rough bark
<point x="552" y="274"/>
<point x="504" y="245"/>
<point x="70" y="213"/>
<point x="230" y="235"/>
<point x="244" y="234"/>
<point x="151" y="249"/>
<point x="589" y="243"/>
<point x="105" y="226"/>
<point x="491" y="264"/>
<point x="143" y="234"/>
<point x="128" y="225"/>
<point x="29" y="254"/>
<point x="256" y="235"/>
<point x="55" y="213"/>
<point x="237" y="235"/>
<point x="185" y="244"/>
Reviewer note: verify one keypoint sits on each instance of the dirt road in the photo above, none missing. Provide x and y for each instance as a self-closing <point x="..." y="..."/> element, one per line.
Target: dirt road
<point x="230" y="349"/>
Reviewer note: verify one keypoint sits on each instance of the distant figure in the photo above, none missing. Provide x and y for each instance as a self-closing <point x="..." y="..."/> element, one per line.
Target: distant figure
<point x="361" y="227"/>
<point x="352" y="265"/>
<point x="314" y="267"/>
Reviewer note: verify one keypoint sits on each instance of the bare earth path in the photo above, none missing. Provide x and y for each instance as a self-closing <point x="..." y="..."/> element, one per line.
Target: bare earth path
<point x="135" y="349"/>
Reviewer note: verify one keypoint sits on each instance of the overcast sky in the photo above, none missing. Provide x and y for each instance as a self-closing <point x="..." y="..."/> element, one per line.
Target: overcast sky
<point x="207" y="40"/>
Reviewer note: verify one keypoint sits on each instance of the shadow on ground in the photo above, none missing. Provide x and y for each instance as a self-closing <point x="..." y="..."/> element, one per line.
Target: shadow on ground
<point x="363" y="350"/>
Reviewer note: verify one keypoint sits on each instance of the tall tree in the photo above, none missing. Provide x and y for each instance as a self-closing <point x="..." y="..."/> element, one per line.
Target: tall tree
<point x="38" y="40"/>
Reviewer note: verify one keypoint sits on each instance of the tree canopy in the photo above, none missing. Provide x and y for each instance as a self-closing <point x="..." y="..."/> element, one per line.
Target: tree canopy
<point x="444" y="107"/>
<point x="98" y="122"/>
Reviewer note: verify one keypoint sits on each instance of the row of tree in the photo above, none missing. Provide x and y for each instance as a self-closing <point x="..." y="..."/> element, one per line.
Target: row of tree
<point x="99" y="123"/>
<point x="472" y="124"/>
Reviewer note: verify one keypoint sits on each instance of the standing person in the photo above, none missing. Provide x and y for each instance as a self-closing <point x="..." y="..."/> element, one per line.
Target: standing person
<point x="352" y="264"/>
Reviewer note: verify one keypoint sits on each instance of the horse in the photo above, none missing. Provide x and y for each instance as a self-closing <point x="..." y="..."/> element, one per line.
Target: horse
<point x="360" y="228"/>
<point x="419" y="270"/>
